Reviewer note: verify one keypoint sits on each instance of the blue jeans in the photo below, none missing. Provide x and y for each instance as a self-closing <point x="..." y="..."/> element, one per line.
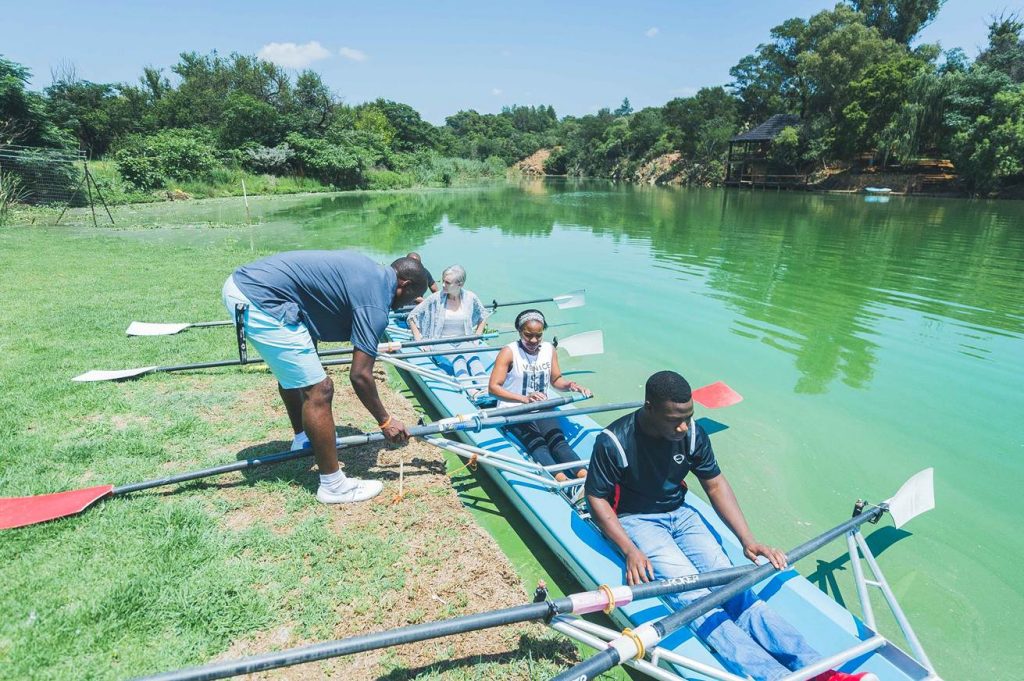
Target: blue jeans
<point x="460" y="366"/>
<point x="749" y="637"/>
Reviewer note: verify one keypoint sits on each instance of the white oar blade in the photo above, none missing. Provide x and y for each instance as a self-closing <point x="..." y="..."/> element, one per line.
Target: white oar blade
<point x="916" y="496"/>
<point x="98" y="375"/>
<point x="153" y="329"/>
<point x="582" y="344"/>
<point x="567" y="301"/>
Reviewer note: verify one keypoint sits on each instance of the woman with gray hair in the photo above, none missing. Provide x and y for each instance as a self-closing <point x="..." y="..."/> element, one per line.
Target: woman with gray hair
<point x="452" y="311"/>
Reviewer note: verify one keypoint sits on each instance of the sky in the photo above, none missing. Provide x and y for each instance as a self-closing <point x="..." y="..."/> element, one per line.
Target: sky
<point x="442" y="56"/>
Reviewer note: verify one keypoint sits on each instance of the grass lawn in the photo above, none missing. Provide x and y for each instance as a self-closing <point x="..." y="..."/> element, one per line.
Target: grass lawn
<point x="229" y="566"/>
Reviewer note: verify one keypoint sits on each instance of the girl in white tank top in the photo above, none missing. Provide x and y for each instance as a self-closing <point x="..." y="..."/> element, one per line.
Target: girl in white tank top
<point x="524" y="372"/>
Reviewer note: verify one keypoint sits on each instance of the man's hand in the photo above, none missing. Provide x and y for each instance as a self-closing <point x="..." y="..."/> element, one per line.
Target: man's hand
<point x="638" y="568"/>
<point x="535" y="397"/>
<point x="396" y="432"/>
<point x="755" y="548"/>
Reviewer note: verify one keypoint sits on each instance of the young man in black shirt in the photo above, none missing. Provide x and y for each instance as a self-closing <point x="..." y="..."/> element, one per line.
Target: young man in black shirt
<point x="637" y="497"/>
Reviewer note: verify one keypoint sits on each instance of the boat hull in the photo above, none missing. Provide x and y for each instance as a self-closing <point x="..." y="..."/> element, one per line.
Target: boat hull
<point x="593" y="561"/>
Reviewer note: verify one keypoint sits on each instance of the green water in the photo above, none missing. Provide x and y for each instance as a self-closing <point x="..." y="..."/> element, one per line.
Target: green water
<point x="869" y="340"/>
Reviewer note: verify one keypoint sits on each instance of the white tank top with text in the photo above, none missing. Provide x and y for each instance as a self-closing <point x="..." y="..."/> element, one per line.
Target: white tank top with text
<point x="529" y="373"/>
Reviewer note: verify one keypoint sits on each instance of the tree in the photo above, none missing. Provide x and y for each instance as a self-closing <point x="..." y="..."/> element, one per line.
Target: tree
<point x="768" y="81"/>
<point x="625" y="108"/>
<point x="247" y="119"/>
<point x="23" y="115"/>
<point x="899" y="20"/>
<point x="876" y="97"/>
<point x="314" y="104"/>
<point x="991" y="149"/>
<point x="1005" y="51"/>
<point x="704" y="121"/>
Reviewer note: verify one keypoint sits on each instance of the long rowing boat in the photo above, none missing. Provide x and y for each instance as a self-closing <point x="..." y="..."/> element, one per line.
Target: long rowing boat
<point x="847" y="641"/>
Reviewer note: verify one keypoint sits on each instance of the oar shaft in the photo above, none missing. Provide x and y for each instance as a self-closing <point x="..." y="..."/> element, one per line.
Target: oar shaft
<point x="495" y="304"/>
<point x="199" y="325"/>
<point x="686" y="615"/>
<point x="474" y="350"/>
<point x="456" y="625"/>
<point x="490" y="419"/>
<point x="358" y="644"/>
<point x="611" y="656"/>
<point x="348" y="351"/>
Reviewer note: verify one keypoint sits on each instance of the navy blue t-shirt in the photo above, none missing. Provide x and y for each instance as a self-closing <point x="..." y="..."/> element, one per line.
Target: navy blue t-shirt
<point x="338" y="295"/>
<point x="637" y="473"/>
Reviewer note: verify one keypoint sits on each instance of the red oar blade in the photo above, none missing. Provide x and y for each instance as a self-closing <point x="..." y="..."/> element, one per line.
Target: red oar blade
<point x="716" y="395"/>
<point x="21" y="511"/>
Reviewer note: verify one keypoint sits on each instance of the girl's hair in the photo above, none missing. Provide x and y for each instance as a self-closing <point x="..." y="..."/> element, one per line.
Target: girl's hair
<point x="530" y="315"/>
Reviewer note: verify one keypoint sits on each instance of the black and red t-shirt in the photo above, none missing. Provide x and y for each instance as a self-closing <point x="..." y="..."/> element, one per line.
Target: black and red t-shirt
<point x="638" y="473"/>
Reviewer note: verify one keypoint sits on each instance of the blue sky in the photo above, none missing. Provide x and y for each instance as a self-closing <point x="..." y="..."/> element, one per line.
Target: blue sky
<point x="444" y="55"/>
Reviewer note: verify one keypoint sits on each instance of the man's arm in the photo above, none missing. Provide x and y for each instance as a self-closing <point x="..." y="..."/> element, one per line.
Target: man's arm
<point x="361" y="375"/>
<point x="638" y="568"/>
<point x="723" y="500"/>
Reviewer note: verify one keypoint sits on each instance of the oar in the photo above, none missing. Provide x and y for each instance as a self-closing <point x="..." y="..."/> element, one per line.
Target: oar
<point x="121" y="374"/>
<point x="564" y="301"/>
<point x="161" y="329"/>
<point x="576" y="604"/>
<point x="915" y="497"/>
<point x="579" y="345"/>
<point x="21" y="511"/>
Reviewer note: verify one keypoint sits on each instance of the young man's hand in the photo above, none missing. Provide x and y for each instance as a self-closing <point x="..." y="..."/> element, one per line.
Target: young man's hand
<point x="755" y="548"/>
<point x="638" y="568"/>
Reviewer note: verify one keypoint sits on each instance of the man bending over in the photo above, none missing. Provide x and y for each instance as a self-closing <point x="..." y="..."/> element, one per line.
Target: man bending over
<point x="299" y="298"/>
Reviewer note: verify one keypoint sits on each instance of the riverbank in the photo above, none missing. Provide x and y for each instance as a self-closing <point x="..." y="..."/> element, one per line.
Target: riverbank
<point x="231" y="566"/>
<point x="927" y="177"/>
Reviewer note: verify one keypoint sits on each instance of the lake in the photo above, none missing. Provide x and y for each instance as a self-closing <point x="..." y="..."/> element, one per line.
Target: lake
<point x="869" y="340"/>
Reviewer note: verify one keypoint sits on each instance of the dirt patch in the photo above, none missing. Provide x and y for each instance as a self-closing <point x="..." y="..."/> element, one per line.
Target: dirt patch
<point x="450" y="565"/>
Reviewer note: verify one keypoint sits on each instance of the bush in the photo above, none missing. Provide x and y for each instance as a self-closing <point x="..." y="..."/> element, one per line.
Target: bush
<point x="343" y="167"/>
<point x="146" y="161"/>
<point x="558" y="162"/>
<point x="272" y="160"/>
<point x="387" y="179"/>
<point x="10" y="194"/>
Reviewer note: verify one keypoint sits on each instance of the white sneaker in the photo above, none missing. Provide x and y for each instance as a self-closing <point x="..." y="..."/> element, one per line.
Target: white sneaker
<point x="300" y="441"/>
<point x="354" y="490"/>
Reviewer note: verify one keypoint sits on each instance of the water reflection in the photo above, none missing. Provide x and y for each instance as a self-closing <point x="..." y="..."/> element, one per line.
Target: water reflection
<point x="814" y="276"/>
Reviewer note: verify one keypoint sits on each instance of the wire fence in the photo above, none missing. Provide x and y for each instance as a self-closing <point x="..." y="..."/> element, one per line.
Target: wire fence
<point x="45" y="176"/>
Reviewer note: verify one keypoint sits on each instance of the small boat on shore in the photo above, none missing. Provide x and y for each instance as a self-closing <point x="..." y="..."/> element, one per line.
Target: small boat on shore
<point x="878" y="190"/>
<point x="847" y="642"/>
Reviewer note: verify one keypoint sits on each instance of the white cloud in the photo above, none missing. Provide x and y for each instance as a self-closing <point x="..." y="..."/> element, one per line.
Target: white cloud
<point x="496" y="92"/>
<point x="652" y="31"/>
<point x="687" y="91"/>
<point x="352" y="53"/>
<point x="292" y="56"/>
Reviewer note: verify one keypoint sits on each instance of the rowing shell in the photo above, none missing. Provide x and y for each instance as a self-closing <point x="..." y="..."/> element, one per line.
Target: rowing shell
<point x="593" y="561"/>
